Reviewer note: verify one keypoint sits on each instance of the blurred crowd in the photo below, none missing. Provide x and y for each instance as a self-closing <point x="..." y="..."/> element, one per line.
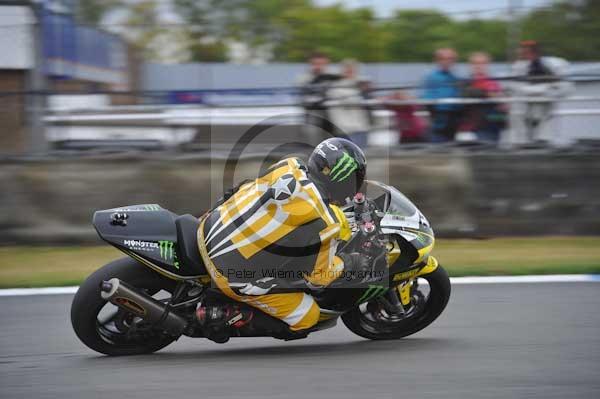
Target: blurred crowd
<point x="342" y="102"/>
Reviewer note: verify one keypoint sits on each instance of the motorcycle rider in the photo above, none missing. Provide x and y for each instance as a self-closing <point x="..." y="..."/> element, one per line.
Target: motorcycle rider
<point x="273" y="240"/>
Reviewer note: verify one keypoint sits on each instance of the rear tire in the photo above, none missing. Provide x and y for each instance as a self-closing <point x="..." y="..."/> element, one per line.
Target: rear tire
<point x="88" y="303"/>
<point x="439" y="284"/>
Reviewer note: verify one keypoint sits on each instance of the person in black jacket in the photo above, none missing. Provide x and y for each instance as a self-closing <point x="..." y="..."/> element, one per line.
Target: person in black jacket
<point x="313" y="89"/>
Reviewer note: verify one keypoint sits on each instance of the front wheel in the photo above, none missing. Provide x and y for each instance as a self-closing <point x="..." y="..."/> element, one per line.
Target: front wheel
<point x="371" y="320"/>
<point x="108" y="329"/>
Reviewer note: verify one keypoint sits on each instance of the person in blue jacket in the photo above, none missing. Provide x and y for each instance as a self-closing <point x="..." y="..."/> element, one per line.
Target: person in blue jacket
<point x="443" y="83"/>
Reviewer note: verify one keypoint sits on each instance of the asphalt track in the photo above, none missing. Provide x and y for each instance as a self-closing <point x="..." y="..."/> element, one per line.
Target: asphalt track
<point x="493" y="341"/>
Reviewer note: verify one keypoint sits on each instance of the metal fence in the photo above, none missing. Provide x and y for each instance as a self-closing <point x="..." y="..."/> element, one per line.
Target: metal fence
<point x="568" y="119"/>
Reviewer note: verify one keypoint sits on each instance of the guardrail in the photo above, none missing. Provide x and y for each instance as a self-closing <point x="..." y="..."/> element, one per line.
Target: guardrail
<point x="331" y="103"/>
<point x="174" y="118"/>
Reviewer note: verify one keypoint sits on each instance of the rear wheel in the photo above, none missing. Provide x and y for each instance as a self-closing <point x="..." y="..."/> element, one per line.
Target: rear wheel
<point x="371" y="320"/>
<point x="108" y="329"/>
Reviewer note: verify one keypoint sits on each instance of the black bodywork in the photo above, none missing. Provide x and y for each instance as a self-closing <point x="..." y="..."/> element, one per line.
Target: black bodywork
<point x="155" y="237"/>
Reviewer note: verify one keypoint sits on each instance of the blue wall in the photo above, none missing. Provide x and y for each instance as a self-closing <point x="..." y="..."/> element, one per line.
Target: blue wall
<point x="73" y="51"/>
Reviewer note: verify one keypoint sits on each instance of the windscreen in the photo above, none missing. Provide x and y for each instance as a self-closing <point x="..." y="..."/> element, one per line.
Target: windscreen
<point x="389" y="200"/>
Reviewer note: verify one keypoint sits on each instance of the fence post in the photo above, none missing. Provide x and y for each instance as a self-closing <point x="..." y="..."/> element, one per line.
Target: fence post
<point x="36" y="139"/>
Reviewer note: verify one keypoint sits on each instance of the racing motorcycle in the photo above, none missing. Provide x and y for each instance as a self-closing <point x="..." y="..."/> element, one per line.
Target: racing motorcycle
<point x="145" y="301"/>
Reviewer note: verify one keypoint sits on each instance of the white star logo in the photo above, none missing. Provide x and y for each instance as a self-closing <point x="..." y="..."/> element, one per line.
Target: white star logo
<point x="282" y="186"/>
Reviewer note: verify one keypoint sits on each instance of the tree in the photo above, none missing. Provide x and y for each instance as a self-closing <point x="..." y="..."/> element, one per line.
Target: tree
<point x="481" y="35"/>
<point x="568" y="29"/>
<point x="288" y="30"/>
<point x="206" y="27"/>
<point x="256" y="24"/>
<point x="143" y="28"/>
<point x="275" y="30"/>
<point x="338" y="32"/>
<point x="260" y="24"/>
<point x="92" y="12"/>
<point x="413" y="35"/>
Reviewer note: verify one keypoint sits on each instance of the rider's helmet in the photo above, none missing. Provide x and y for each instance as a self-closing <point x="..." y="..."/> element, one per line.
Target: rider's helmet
<point x="338" y="167"/>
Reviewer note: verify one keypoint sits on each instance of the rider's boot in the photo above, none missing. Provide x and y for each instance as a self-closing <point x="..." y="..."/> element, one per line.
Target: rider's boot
<point x="219" y="321"/>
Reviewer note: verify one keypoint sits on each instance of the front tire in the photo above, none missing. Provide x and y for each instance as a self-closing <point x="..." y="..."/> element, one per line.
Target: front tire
<point x="87" y="305"/>
<point x="361" y="323"/>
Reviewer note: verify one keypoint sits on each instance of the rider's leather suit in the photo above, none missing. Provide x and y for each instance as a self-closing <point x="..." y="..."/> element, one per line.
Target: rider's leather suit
<point x="274" y="240"/>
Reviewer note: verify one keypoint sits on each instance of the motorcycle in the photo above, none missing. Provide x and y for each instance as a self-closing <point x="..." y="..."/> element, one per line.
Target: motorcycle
<point x="143" y="302"/>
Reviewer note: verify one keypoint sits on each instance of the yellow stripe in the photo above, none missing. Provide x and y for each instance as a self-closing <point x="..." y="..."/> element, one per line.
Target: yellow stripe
<point x="264" y="241"/>
<point x="423" y="252"/>
<point x="250" y="249"/>
<point x="300" y="311"/>
<point x="329" y="233"/>
<point x="328" y="267"/>
<point x="345" y="232"/>
<point x="310" y="319"/>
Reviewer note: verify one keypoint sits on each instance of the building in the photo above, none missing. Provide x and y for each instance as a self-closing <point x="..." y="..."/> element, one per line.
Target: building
<point x="43" y="48"/>
<point x="16" y="63"/>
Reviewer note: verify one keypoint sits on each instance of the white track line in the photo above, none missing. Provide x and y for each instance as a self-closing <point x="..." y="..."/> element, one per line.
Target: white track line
<point x="38" y="291"/>
<point x="552" y="278"/>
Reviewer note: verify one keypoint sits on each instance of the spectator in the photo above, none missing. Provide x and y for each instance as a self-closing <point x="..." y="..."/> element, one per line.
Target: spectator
<point x="485" y="121"/>
<point x="411" y="127"/>
<point x="442" y="83"/>
<point x="352" y="119"/>
<point x="313" y="88"/>
<point x="537" y="76"/>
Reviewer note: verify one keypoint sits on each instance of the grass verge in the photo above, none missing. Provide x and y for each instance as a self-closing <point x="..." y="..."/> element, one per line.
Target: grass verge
<point x="60" y="266"/>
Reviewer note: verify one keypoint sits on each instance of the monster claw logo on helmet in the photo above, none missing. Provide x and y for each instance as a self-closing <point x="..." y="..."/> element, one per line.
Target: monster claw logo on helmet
<point x="343" y="168"/>
<point x="338" y="168"/>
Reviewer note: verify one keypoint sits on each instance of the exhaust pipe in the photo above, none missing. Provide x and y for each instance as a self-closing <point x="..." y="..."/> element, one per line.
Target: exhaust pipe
<point x="128" y="298"/>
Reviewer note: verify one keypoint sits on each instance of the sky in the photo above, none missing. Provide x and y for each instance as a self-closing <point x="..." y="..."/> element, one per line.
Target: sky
<point x="460" y="8"/>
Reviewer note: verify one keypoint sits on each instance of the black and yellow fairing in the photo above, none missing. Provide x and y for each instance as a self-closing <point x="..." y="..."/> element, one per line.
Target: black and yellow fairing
<point x="411" y="238"/>
<point x="410" y="241"/>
